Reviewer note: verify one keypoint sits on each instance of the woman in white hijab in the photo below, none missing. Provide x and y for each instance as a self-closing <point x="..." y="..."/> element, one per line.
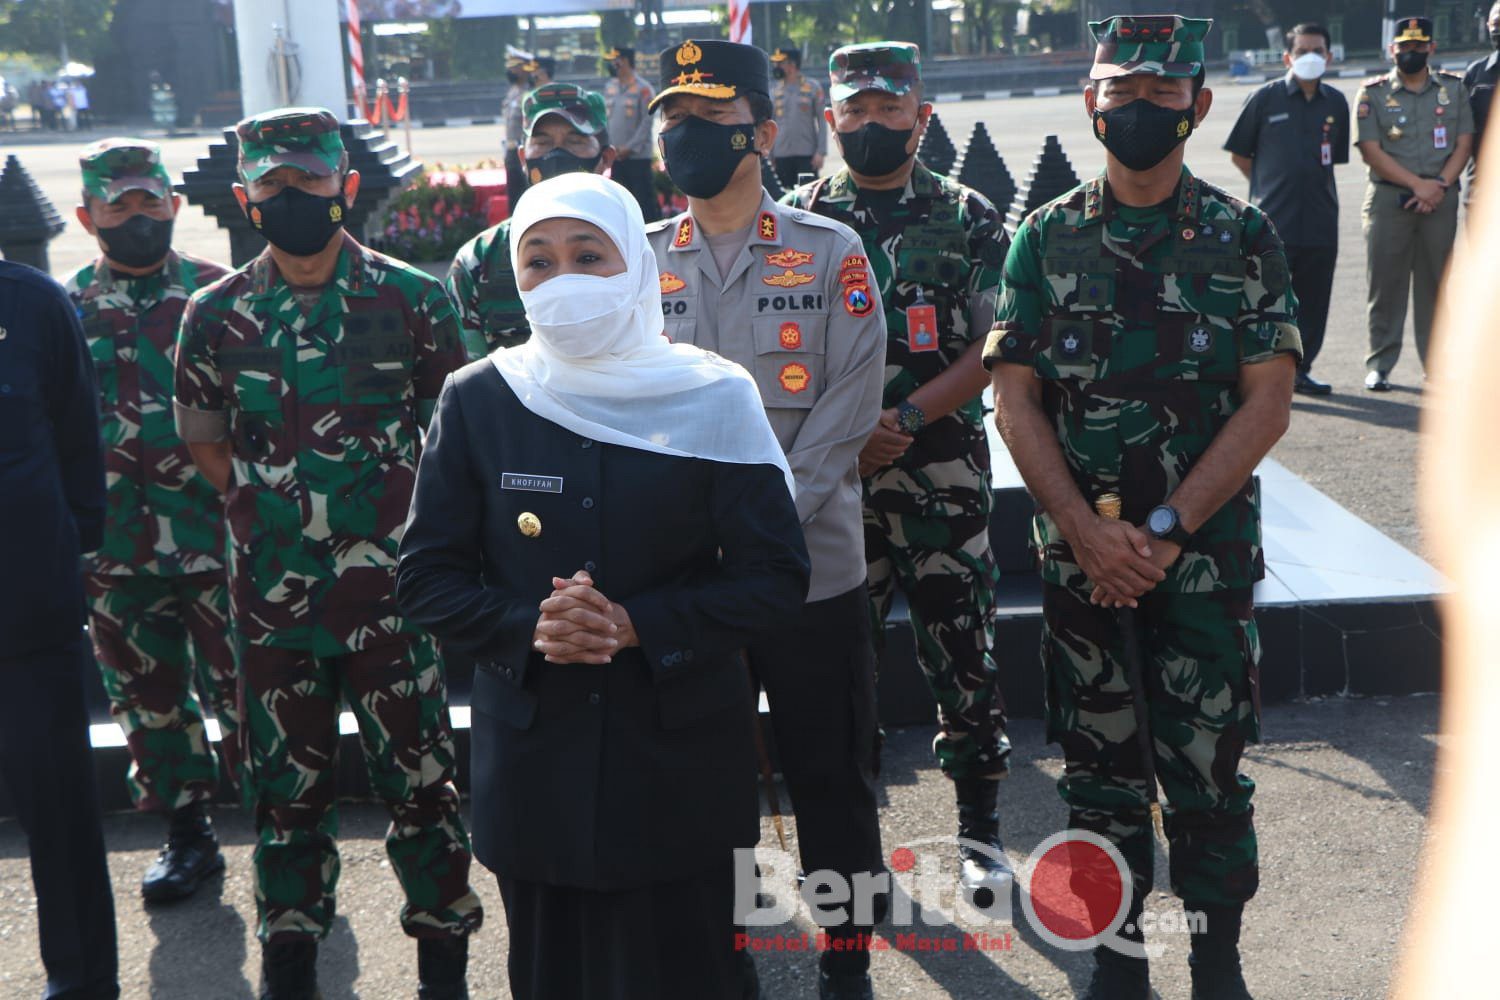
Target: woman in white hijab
<point x="601" y="521"/>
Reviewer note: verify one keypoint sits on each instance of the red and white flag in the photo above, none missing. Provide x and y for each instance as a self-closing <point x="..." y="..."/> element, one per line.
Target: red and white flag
<point x="356" y="59"/>
<point x="739" y="22"/>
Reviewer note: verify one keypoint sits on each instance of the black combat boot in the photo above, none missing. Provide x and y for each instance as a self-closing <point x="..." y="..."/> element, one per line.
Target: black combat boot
<point x="189" y="857"/>
<point x="442" y="968"/>
<point x="1215" y="957"/>
<point x="289" y="969"/>
<point x="984" y="871"/>
<point x="845" y="986"/>
<point x="1118" y="977"/>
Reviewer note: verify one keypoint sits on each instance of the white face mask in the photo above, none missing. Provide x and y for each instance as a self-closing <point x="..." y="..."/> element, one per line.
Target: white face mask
<point x="582" y="315"/>
<point x="1309" y="66"/>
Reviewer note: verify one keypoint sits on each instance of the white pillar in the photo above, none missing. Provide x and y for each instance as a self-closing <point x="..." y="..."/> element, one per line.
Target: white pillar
<point x="316" y="70"/>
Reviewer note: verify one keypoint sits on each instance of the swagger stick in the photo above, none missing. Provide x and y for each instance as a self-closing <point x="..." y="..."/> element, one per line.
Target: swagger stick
<point x="1108" y="506"/>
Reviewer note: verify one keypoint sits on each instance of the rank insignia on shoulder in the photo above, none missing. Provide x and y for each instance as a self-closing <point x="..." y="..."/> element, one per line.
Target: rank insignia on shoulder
<point x="791" y="336"/>
<point x="788" y="279"/>
<point x="857" y="300"/>
<point x="684" y="233"/>
<point x="768" y="225"/>
<point x="671" y="283"/>
<point x="789" y="258"/>
<point x="794" y="378"/>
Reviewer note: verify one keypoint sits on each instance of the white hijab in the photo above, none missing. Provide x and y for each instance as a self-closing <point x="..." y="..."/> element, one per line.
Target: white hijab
<point x="597" y="362"/>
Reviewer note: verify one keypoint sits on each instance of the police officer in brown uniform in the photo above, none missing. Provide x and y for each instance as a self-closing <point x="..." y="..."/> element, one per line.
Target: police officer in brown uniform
<point x="1415" y="130"/>
<point x="787" y="294"/>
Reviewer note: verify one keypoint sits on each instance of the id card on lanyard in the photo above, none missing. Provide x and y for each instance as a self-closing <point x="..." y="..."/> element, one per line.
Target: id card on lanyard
<point x="921" y="325"/>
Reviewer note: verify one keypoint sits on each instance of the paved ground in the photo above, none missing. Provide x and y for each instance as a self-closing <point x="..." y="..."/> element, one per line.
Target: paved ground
<point x="1344" y="784"/>
<point x="1341" y="809"/>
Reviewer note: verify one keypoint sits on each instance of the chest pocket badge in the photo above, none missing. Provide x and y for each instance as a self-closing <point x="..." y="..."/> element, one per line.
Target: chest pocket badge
<point x="1200" y="340"/>
<point x="1096" y="291"/>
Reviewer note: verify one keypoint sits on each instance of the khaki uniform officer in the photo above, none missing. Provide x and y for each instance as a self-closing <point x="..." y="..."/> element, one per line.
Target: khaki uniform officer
<point x="1415" y="129"/>
<point x="788" y="295"/>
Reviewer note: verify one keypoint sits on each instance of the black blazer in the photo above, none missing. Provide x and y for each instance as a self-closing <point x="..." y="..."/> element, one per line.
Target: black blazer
<point x="637" y="771"/>
<point x="51" y="463"/>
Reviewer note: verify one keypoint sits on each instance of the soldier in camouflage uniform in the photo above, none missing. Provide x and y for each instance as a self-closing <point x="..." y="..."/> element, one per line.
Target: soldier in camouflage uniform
<point x="936" y="249"/>
<point x="1145" y="344"/>
<point x="158" y="604"/>
<point x="565" y="129"/>
<point x="303" y="383"/>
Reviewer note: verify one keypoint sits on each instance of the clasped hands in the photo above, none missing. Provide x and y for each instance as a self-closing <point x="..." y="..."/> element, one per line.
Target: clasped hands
<point x="1121" y="560"/>
<point x="1427" y="195"/>
<point x="887" y="442"/>
<point x="578" y="624"/>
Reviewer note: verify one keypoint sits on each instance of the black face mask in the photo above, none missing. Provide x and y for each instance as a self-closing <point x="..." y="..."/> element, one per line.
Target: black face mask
<point x="778" y="72"/>
<point x="1141" y="134"/>
<point x="872" y="150"/>
<point x="1411" y="63"/>
<point x="139" y="241"/>
<point x="702" y="155"/>
<point x="560" y="161"/>
<point x="298" y="223"/>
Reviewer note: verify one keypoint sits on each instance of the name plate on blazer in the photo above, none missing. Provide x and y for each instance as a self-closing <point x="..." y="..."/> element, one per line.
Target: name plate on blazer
<point x="532" y="484"/>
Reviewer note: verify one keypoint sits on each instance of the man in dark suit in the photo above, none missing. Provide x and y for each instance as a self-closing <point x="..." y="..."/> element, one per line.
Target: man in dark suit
<point x="52" y="511"/>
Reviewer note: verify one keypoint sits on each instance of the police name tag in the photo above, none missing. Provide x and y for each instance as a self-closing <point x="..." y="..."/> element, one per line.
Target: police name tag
<point x="531" y="484"/>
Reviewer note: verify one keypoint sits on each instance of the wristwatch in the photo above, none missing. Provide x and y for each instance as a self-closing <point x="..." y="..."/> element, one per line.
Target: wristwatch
<point x="909" y="417"/>
<point x="1164" y="523"/>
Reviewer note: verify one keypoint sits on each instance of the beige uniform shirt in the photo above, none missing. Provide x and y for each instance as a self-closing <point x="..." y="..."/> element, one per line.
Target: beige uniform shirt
<point x="798" y="311"/>
<point x="1418" y="129"/>
<point x="629" y="121"/>
<point x="801" y="128"/>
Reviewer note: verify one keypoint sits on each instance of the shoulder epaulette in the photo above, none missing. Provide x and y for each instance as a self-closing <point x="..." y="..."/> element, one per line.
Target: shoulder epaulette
<point x="659" y="225"/>
<point x="1376" y="81"/>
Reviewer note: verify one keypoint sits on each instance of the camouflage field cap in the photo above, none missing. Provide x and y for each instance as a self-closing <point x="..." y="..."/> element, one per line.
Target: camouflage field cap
<point x="582" y="109"/>
<point x="113" y="166"/>
<point x="305" y="138"/>
<point x="1413" y="29"/>
<point x="1158" y="44"/>
<point x="711" y="68"/>
<point x="894" y="67"/>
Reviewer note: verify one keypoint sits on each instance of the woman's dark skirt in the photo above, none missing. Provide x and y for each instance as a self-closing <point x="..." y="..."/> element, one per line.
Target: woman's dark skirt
<point x="668" y="941"/>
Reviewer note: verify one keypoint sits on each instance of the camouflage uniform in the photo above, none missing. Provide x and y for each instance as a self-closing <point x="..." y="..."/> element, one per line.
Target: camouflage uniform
<point x="157" y="598"/>
<point x="927" y="515"/>
<point x="1138" y="320"/>
<point x="324" y="409"/>
<point x="482" y="282"/>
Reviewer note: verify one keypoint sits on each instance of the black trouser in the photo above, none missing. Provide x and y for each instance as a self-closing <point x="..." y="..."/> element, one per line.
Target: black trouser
<point x="48" y="770"/>
<point x="515" y="178"/>
<point x="1312" y="280"/>
<point x="789" y="168"/>
<point x="634" y="175"/>
<point x="818" y="669"/>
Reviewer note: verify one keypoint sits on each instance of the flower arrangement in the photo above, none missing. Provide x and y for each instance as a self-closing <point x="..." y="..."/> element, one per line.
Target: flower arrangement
<point x="432" y="218"/>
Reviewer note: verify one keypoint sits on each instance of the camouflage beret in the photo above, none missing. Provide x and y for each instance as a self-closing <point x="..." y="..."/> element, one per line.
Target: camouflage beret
<point x="305" y="138"/>
<point x="582" y="109"/>
<point x="112" y="167"/>
<point x="1155" y="44"/>
<point x="894" y="67"/>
